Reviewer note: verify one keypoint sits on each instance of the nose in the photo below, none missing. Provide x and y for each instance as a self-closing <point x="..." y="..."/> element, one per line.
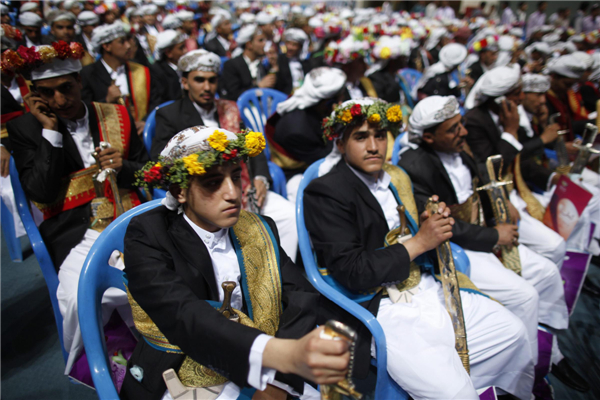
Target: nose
<point x="60" y="99"/>
<point x="230" y="189"/>
<point x="206" y="85"/>
<point x="372" y="144"/>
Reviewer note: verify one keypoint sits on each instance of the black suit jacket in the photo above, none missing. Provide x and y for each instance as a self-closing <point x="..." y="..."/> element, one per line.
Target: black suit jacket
<point x="347" y="228"/>
<point x="42" y="166"/>
<point x="236" y="78"/>
<point x="439" y="85"/>
<point x="484" y="139"/>
<point x="476" y="71"/>
<point x="285" y="82"/>
<point x="8" y="105"/>
<point x="168" y="80"/>
<point x="386" y="86"/>
<point x="214" y="46"/>
<point x="96" y="80"/>
<point x="429" y="177"/>
<point x="181" y="115"/>
<point x="170" y="275"/>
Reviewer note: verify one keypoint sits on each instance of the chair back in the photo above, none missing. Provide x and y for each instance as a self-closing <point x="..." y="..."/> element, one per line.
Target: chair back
<point x="386" y="387"/>
<point x="96" y="277"/>
<point x="396" y="148"/>
<point x="224" y="59"/>
<point x="405" y="89"/>
<point x="411" y="77"/>
<point x="10" y="235"/>
<point x="150" y="126"/>
<point x="39" y="249"/>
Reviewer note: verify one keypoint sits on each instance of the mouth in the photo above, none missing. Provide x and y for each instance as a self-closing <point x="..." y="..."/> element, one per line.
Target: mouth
<point x="232" y="209"/>
<point x="373" y="158"/>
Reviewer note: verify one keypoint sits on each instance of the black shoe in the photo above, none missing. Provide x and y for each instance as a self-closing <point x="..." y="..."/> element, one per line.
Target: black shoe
<point x="567" y="375"/>
<point x="590" y="288"/>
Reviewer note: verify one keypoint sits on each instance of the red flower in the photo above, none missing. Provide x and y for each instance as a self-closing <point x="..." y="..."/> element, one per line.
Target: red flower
<point x="355" y="110"/>
<point x="30" y="56"/>
<point x="62" y="49"/>
<point x="18" y="35"/>
<point x="365" y="30"/>
<point x="12" y="60"/>
<point x="76" y="50"/>
<point x="355" y="55"/>
<point x="152" y="175"/>
<point x="231" y="155"/>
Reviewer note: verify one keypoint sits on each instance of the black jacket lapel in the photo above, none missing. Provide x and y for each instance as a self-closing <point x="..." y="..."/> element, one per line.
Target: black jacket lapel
<point x="93" y="124"/>
<point x="361" y="188"/>
<point x="192" y="115"/>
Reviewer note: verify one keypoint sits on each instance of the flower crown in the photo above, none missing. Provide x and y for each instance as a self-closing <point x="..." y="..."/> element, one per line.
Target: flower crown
<point x="484" y="43"/>
<point x="387" y="116"/>
<point x="26" y="59"/>
<point x="348" y="49"/>
<point x="170" y="170"/>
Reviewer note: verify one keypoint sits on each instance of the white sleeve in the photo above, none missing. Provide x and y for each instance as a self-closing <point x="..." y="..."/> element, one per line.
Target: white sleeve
<point x="55" y="138"/>
<point x="259" y="377"/>
<point x="512" y="140"/>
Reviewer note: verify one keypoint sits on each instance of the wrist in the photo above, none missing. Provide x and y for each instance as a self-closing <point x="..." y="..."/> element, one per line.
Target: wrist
<point x="278" y="355"/>
<point x="414" y="247"/>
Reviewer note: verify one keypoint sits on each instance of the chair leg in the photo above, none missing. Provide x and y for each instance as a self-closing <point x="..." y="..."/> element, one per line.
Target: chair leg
<point x="8" y="230"/>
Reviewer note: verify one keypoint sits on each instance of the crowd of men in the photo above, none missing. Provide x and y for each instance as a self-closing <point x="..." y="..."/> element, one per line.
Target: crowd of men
<point x="80" y="78"/>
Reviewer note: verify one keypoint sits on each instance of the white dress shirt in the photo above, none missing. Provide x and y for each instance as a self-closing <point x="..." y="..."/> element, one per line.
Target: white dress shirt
<point x="80" y="131"/>
<point x="252" y="66"/>
<point x="15" y="91"/>
<point x="29" y="42"/>
<point x="380" y="188"/>
<point x="119" y="76"/>
<point x="297" y="72"/>
<point x="152" y="30"/>
<point x="459" y="173"/>
<point x="174" y="68"/>
<point x="224" y="42"/>
<point x="89" y="46"/>
<point x="505" y="135"/>
<point x="210" y="118"/>
<point x="354" y="91"/>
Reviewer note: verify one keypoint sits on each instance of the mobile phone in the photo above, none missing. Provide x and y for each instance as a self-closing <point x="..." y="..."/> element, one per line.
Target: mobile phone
<point x="500" y="99"/>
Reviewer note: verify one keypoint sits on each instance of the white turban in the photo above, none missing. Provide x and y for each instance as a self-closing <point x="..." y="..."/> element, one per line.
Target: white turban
<point x="432" y="111"/>
<point x="264" y="18"/>
<point x="171" y="22"/>
<point x="585" y="58"/>
<point x="86" y="18"/>
<point x="494" y="83"/>
<point x="29" y="6"/>
<point x="540" y="47"/>
<point x="595" y="75"/>
<point x="185" y="15"/>
<point x="55" y="68"/>
<point x="4" y="10"/>
<point x="71" y="3"/>
<point x="434" y="38"/>
<point x="535" y="83"/>
<point x="518" y="32"/>
<point x="386" y="48"/>
<point x="30" y="19"/>
<point x="295" y="35"/>
<point x="569" y="66"/>
<point x="451" y="56"/>
<point x="107" y="33"/>
<point x="199" y="60"/>
<point x="161" y="3"/>
<point x="61" y="16"/>
<point x="321" y="83"/>
<point x="219" y="18"/>
<point x="149" y="9"/>
<point x="246" y="33"/>
<point x="167" y="39"/>
<point x="247" y="18"/>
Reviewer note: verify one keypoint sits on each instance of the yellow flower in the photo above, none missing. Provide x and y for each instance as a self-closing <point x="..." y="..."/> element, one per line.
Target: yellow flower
<point x="346" y="116"/>
<point x="374" y="119"/>
<point x="385" y="53"/>
<point x="255" y="143"/>
<point x="394" y="114"/>
<point x="47" y="53"/>
<point x="218" y="141"/>
<point x="192" y="165"/>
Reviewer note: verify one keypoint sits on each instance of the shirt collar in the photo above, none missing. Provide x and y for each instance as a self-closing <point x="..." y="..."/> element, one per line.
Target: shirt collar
<point x="120" y="70"/>
<point x="72" y="126"/>
<point x="213" y="240"/>
<point x="450" y="159"/>
<point x="382" y="182"/>
<point x="203" y="113"/>
<point x="173" y="66"/>
<point x="251" y="63"/>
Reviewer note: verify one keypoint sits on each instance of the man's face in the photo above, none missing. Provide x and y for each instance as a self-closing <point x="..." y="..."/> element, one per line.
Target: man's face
<point x="88" y="29"/>
<point x="267" y="29"/>
<point x="488" y="58"/>
<point x="150" y="19"/>
<point x="213" y="201"/>
<point x="257" y="44"/>
<point x="516" y="96"/>
<point x="293" y="48"/>
<point x="364" y="148"/>
<point x="188" y="26"/>
<point x="224" y="28"/>
<point x="135" y="19"/>
<point x="109" y="17"/>
<point x="119" y="48"/>
<point x="63" y="30"/>
<point x="533" y="101"/>
<point x="449" y="137"/>
<point x="63" y="94"/>
<point x="355" y="69"/>
<point x="201" y="87"/>
<point x="523" y="7"/>
<point x="34" y="34"/>
<point x="175" y="52"/>
<point x="560" y="84"/>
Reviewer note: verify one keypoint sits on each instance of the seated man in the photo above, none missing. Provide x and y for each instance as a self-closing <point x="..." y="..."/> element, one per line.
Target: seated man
<point x="487" y="49"/>
<point x="114" y="79"/>
<point x="391" y="54"/>
<point x="31" y="25"/>
<point x="439" y="165"/>
<point x="178" y="257"/>
<point x="53" y="146"/>
<point x="292" y="67"/>
<point x="349" y="212"/>
<point x="88" y="21"/>
<point x="294" y="132"/>
<point x="62" y="27"/>
<point x="199" y="107"/>
<point x="170" y="46"/>
<point x="219" y="40"/>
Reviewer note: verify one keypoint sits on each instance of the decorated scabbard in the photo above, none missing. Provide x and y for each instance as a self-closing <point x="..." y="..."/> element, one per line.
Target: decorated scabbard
<point x="560" y="147"/>
<point x="585" y="149"/>
<point x="451" y="292"/>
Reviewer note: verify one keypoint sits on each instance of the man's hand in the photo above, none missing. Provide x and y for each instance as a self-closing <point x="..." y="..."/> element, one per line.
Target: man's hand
<point x="550" y="133"/>
<point x="322" y="361"/>
<point x="139" y="125"/>
<point x="509" y="117"/>
<point x="41" y="111"/>
<point x="571" y="149"/>
<point x="261" y="192"/>
<point x="435" y="229"/>
<point x="268" y="81"/>
<point x="114" y="93"/>
<point x="555" y="178"/>
<point x="4" y="162"/>
<point x="270" y="393"/>
<point x="514" y="213"/>
<point x="466" y="83"/>
<point x="110" y="158"/>
<point x="507" y="234"/>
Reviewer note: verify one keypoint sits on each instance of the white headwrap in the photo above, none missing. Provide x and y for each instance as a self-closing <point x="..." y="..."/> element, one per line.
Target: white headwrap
<point x="199" y="60"/>
<point x="86" y="18"/>
<point x="29" y="6"/>
<point x="61" y="16"/>
<point x="149" y="9"/>
<point x="67" y="5"/>
<point x="295" y="35"/>
<point x="540" y="47"/>
<point x="585" y="58"/>
<point x="189" y="141"/>
<point x="167" y="39"/>
<point x="247" y="18"/>
<point x="30" y="19"/>
<point x="321" y="83"/>
<point x="518" y="32"/>
<point x="246" y="34"/>
<point x="451" y="56"/>
<point x="494" y="83"/>
<point x="434" y="37"/>
<point x="569" y="66"/>
<point x="432" y="111"/>
<point x="595" y="75"/>
<point x="263" y="18"/>
<point x="386" y="48"/>
<point x="4" y="10"/>
<point x="171" y="22"/>
<point x="107" y="33"/>
<point x="535" y="83"/>
<point x="55" y="68"/>
<point x="219" y="18"/>
<point x="185" y="15"/>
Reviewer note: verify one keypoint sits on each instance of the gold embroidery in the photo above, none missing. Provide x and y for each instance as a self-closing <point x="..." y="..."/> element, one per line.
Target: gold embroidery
<point x="111" y="125"/>
<point x="368" y="86"/>
<point x="139" y="85"/>
<point x="73" y="187"/>
<point x="534" y="207"/>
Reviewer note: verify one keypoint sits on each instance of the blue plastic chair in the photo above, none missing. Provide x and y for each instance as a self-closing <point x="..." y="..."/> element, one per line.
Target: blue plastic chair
<point x="405" y="89"/>
<point x="96" y="277"/>
<point x="8" y="231"/>
<point x="39" y="249"/>
<point x="223" y="60"/>
<point x="396" y="149"/>
<point x="411" y="77"/>
<point x="150" y="126"/>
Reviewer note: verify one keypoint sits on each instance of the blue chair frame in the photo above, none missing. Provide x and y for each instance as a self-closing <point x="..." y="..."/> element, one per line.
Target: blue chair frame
<point x="96" y="277"/>
<point x="396" y="148"/>
<point x="150" y="126"/>
<point x="411" y="77"/>
<point x="39" y="249"/>
<point x="8" y="230"/>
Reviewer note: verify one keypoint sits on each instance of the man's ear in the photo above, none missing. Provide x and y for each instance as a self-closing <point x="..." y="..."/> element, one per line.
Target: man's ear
<point x="340" y="146"/>
<point x="106" y="47"/>
<point x="428" y="138"/>
<point x="184" y="82"/>
<point x="177" y="192"/>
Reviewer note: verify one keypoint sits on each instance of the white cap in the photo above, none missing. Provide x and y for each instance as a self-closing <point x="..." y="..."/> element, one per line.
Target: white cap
<point x="246" y="33"/>
<point x="29" y="6"/>
<point x="30" y="19"/>
<point x="166" y="39"/>
<point x="67" y="5"/>
<point x="247" y="18"/>
<point x="263" y="18"/>
<point x="295" y="35"/>
<point x="149" y="9"/>
<point x="86" y="18"/>
<point x="171" y="22"/>
<point x="55" y="68"/>
<point x="160" y="3"/>
<point x="107" y="33"/>
<point x="199" y="60"/>
<point x="60" y="15"/>
<point x="219" y="18"/>
<point x="185" y="15"/>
